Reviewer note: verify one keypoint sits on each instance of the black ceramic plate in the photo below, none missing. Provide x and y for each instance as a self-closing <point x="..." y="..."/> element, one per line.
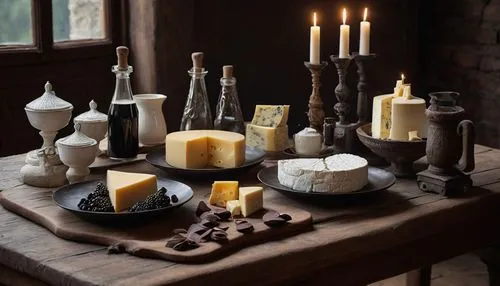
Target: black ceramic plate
<point x="325" y="152"/>
<point x="157" y="158"/>
<point x="69" y="196"/>
<point x="378" y="180"/>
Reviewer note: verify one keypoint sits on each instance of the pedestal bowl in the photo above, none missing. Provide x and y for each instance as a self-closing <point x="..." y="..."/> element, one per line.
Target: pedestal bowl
<point x="401" y="154"/>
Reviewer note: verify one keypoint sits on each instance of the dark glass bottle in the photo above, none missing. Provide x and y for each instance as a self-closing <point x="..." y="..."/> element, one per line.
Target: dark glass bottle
<point x="123" y="116"/>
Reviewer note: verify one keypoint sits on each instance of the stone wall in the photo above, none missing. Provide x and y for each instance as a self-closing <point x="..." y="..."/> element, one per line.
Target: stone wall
<point x="460" y="48"/>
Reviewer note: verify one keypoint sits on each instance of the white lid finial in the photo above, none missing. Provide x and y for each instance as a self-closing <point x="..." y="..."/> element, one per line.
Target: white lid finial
<point x="93" y="105"/>
<point x="48" y="87"/>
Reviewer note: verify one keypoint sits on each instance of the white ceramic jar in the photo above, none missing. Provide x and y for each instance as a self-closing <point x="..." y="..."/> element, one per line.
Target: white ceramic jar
<point x="152" y="125"/>
<point x="308" y="142"/>
<point x="77" y="151"/>
<point x="93" y="123"/>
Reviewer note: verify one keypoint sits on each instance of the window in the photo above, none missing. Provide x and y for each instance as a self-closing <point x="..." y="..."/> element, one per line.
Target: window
<point x="44" y="30"/>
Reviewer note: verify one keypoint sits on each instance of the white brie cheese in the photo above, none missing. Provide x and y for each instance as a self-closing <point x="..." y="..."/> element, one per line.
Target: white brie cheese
<point x="337" y="173"/>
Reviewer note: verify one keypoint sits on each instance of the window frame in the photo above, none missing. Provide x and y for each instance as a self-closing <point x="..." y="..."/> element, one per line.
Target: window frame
<point x="44" y="49"/>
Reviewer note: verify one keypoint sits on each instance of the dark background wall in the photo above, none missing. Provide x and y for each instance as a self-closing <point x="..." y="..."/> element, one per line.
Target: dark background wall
<point x="461" y="47"/>
<point x="439" y="45"/>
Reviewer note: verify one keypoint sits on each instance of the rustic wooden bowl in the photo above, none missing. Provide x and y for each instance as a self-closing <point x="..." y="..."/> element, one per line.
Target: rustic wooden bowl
<point x="401" y="154"/>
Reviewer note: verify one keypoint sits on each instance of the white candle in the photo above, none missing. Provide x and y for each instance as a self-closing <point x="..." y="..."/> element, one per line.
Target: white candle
<point x="344" y="37"/>
<point x="364" y="36"/>
<point x="314" y="47"/>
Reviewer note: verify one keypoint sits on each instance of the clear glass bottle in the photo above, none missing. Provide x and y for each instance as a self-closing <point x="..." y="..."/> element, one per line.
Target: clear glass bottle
<point x="228" y="114"/>
<point x="197" y="115"/>
<point x="123" y="123"/>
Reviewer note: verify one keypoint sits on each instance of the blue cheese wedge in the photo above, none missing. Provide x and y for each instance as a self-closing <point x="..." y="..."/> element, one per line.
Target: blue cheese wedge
<point x="267" y="138"/>
<point x="339" y="173"/>
<point x="271" y="115"/>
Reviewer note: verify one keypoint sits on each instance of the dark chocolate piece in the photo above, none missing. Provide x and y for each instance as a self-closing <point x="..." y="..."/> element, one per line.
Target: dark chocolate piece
<point x="274" y="218"/>
<point x="223" y="215"/>
<point x="243" y="226"/>
<point x="202" y="208"/>
<point x="209" y="216"/>
<point x="116" y="249"/>
<point x="209" y="223"/>
<point x="218" y="235"/>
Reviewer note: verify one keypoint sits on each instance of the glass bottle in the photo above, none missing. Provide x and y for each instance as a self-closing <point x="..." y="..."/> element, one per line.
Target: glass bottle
<point x="123" y="125"/>
<point x="228" y="114"/>
<point x="197" y="115"/>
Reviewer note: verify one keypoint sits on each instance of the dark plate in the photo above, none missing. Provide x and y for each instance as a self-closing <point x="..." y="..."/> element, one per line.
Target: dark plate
<point x="325" y="152"/>
<point x="69" y="196"/>
<point x="157" y="158"/>
<point x="378" y="180"/>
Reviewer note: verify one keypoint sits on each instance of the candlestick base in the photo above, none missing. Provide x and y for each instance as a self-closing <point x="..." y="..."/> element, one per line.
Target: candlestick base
<point x="345" y="138"/>
<point x="316" y="114"/>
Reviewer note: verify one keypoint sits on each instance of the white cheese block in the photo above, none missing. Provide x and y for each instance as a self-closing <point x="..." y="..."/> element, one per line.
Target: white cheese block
<point x="251" y="200"/>
<point x="308" y="141"/>
<point x="337" y="173"/>
<point x="408" y="114"/>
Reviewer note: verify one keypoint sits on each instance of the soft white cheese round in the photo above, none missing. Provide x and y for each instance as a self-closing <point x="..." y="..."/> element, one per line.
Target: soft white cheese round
<point x="308" y="141"/>
<point x="339" y="173"/>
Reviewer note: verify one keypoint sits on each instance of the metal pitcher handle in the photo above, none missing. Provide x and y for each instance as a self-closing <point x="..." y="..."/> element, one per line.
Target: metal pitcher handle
<point x="466" y="129"/>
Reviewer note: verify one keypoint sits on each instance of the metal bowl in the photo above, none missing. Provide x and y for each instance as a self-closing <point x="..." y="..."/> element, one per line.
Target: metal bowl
<point x="401" y="154"/>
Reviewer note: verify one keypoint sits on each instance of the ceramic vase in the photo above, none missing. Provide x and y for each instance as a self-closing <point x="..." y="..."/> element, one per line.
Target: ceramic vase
<point x="152" y="125"/>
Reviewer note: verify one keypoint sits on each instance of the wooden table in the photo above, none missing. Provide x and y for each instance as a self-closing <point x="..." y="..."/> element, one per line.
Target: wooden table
<point x="355" y="248"/>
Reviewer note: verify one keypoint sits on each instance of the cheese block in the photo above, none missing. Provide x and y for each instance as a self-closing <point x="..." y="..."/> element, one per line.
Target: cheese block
<point x="125" y="189"/>
<point x="223" y="191"/>
<point x="381" y="116"/>
<point x="271" y="115"/>
<point x="251" y="200"/>
<point x="196" y="149"/>
<point x="408" y="114"/>
<point x="267" y="138"/>
<point x="337" y="173"/>
<point x="234" y="207"/>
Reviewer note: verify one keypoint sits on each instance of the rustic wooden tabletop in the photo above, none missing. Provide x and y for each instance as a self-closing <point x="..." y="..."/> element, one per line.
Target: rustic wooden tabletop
<point x="360" y="245"/>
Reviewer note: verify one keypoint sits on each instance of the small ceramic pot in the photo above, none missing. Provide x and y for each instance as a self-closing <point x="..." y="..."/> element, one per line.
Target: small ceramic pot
<point x="152" y="126"/>
<point x="94" y="124"/>
<point x="77" y="151"/>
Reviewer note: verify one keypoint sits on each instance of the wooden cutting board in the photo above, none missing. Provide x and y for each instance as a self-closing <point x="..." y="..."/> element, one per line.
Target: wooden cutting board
<point x="148" y="239"/>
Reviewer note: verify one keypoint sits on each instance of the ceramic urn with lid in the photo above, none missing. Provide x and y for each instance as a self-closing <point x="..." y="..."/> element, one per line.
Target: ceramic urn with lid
<point x="93" y="123"/>
<point x="77" y="151"/>
<point x="48" y="114"/>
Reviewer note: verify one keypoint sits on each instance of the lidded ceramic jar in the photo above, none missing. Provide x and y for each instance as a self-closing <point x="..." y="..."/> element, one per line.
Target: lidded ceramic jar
<point x="48" y="114"/>
<point x="93" y="123"/>
<point x="77" y="151"/>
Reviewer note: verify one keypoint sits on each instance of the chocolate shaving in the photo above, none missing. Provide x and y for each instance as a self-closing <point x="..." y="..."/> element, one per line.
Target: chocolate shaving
<point x="209" y="223"/>
<point x="185" y="245"/>
<point x="274" y="218"/>
<point x="223" y="215"/>
<point x="243" y="226"/>
<point x="218" y="235"/>
<point x="209" y="216"/>
<point x="202" y="208"/>
<point x="197" y="228"/>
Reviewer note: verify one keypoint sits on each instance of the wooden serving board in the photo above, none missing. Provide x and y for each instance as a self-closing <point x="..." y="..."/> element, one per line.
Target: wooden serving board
<point x="148" y="239"/>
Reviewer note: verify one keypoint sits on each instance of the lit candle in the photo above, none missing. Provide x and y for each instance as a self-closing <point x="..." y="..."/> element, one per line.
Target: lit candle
<point x="344" y="37"/>
<point x="398" y="90"/>
<point x="314" y="48"/>
<point x="364" y="36"/>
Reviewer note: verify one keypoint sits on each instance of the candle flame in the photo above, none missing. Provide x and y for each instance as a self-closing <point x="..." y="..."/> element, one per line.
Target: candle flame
<point x="344" y="15"/>
<point x="366" y="14"/>
<point x="314" y="17"/>
<point x="402" y="78"/>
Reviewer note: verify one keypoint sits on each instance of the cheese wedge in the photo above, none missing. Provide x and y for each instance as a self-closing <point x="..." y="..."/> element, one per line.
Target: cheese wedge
<point x="270" y="139"/>
<point x="271" y="115"/>
<point x="196" y="149"/>
<point x="125" y="189"/>
<point x="234" y="207"/>
<point x="381" y="117"/>
<point x="251" y="200"/>
<point x="222" y="192"/>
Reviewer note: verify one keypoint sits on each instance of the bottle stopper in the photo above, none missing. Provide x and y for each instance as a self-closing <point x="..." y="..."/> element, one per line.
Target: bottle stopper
<point x="197" y="58"/>
<point x="122" y="54"/>
<point x="48" y="87"/>
<point x="227" y="71"/>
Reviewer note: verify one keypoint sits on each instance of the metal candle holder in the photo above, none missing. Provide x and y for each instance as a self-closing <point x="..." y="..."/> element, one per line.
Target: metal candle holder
<point x="316" y="114"/>
<point x="361" y="61"/>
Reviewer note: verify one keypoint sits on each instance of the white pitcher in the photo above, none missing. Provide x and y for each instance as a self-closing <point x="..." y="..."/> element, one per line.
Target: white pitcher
<point x="152" y="126"/>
